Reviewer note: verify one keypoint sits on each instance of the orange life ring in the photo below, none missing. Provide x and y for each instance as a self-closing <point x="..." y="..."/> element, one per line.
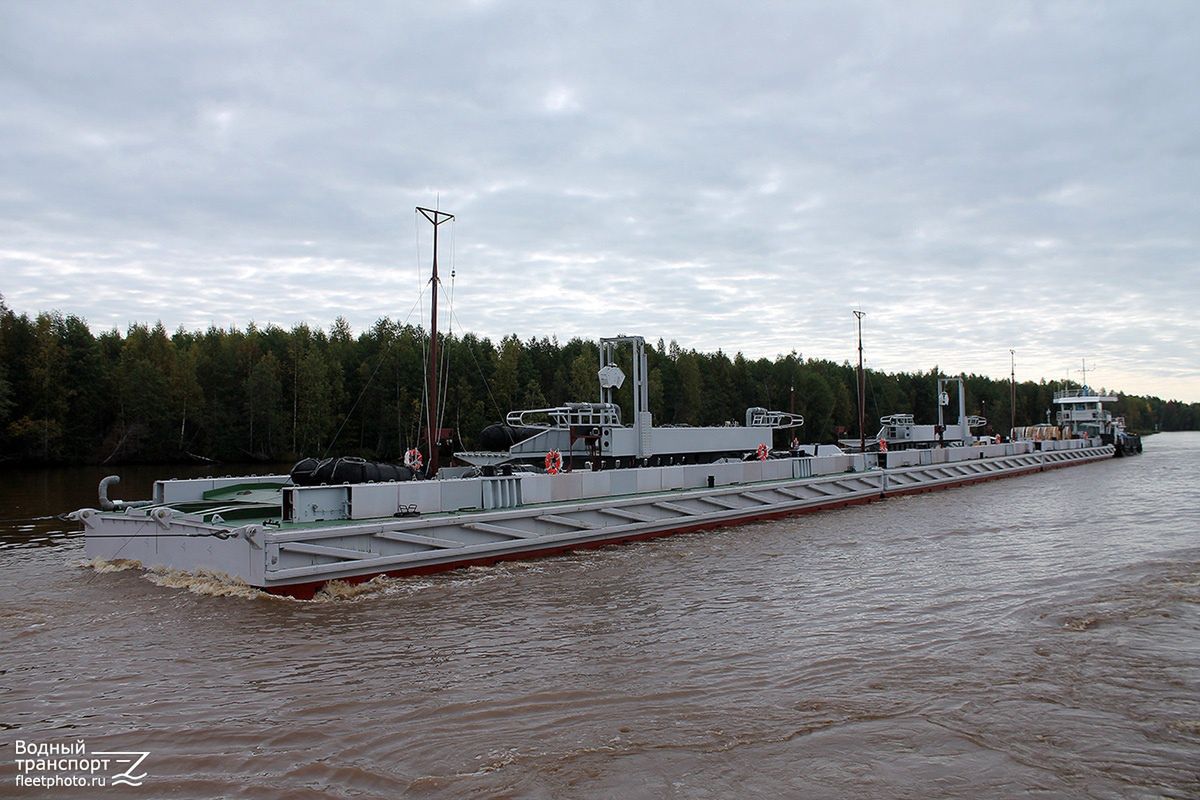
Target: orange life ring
<point x="412" y="458"/>
<point x="762" y="452"/>
<point x="883" y="445"/>
<point x="553" y="462"/>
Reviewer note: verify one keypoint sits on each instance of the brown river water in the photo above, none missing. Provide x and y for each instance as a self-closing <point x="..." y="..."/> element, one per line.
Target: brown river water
<point x="1037" y="636"/>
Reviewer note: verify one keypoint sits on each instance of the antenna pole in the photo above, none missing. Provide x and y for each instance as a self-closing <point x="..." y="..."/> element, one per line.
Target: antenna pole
<point x="1012" y="390"/>
<point x="862" y="388"/>
<point x="436" y="218"/>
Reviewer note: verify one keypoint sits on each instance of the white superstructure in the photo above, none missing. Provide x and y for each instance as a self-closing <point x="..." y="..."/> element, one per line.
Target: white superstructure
<point x="1081" y="412"/>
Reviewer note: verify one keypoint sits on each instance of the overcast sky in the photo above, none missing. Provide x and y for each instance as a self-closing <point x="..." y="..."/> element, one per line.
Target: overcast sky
<point x="977" y="177"/>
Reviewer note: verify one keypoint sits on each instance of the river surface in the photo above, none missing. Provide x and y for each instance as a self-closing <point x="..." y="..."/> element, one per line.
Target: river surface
<point x="1037" y="636"/>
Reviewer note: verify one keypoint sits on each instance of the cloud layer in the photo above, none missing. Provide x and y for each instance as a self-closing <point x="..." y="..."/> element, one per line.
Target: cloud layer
<point x="976" y="177"/>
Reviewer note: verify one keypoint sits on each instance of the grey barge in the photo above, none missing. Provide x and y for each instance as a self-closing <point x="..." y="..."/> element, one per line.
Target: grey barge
<point x="291" y="540"/>
<point x="603" y="482"/>
<point x="559" y="479"/>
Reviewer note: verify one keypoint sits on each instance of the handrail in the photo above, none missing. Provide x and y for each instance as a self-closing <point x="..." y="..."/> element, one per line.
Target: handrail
<point x="762" y="418"/>
<point x="607" y="415"/>
<point x="1084" y="394"/>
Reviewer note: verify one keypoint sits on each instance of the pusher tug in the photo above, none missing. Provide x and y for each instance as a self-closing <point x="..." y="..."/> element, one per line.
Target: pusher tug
<point x="565" y="478"/>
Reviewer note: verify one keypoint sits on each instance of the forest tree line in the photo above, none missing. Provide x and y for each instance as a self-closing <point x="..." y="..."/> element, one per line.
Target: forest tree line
<point x="70" y="396"/>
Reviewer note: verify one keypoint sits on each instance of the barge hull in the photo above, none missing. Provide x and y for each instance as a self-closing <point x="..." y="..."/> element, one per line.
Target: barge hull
<point x="298" y="560"/>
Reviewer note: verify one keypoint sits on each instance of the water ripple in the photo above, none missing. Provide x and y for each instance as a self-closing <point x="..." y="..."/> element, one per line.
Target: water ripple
<point x="1039" y="635"/>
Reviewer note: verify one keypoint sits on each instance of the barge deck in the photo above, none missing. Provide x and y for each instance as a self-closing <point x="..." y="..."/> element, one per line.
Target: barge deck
<point x="292" y="540"/>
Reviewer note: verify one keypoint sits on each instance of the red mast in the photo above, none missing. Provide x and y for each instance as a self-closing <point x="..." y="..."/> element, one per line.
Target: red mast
<point x="436" y="218"/>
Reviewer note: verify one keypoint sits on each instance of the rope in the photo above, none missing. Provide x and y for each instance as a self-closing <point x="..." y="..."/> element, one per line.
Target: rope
<point x="443" y="381"/>
<point x="424" y="381"/>
<point x="367" y="385"/>
<point x="66" y="518"/>
<point x="444" y="392"/>
<point x="350" y="414"/>
<point x="424" y="350"/>
<point x="231" y="534"/>
<point x="483" y="378"/>
<point x="213" y="534"/>
<point x="871" y="393"/>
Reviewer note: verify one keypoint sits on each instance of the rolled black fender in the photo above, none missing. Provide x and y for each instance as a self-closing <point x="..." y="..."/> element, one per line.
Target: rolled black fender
<point x="347" y="469"/>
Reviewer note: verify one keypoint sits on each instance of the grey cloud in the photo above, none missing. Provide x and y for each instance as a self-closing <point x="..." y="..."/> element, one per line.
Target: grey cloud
<point x="975" y="177"/>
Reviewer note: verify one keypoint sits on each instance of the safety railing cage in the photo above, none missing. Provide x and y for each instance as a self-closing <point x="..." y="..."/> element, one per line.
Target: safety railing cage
<point x="764" y="418"/>
<point x="596" y="415"/>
